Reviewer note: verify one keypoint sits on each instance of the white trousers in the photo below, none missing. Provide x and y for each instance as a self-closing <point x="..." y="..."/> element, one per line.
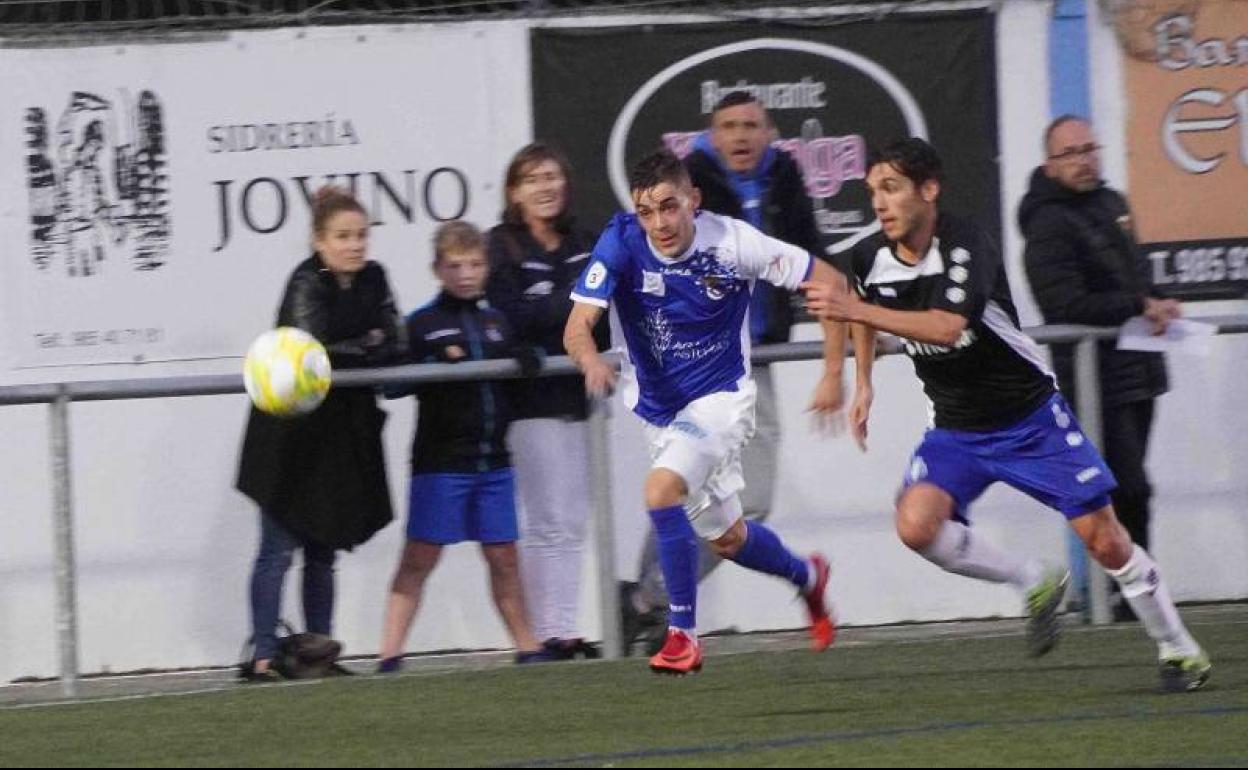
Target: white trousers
<point x="551" y="459"/>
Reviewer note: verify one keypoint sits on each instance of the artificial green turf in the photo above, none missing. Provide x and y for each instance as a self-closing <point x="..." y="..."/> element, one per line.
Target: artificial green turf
<point x="965" y="702"/>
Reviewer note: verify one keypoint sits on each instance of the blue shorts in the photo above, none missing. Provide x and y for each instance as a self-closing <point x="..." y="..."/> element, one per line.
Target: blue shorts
<point x="446" y="508"/>
<point x="1045" y="456"/>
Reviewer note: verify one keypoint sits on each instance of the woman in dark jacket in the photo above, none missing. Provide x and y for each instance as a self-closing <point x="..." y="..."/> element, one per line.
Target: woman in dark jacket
<point x="536" y="255"/>
<point x="320" y="479"/>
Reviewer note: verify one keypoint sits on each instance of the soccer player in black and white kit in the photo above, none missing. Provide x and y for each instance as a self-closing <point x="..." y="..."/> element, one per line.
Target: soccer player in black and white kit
<point x="938" y="282"/>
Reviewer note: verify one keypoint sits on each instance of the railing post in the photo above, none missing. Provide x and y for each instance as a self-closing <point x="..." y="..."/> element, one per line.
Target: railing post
<point x="1088" y="387"/>
<point x="63" y="544"/>
<point x="604" y="528"/>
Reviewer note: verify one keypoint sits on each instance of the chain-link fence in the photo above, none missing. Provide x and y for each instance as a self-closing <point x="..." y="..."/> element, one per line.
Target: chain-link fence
<point x="42" y="19"/>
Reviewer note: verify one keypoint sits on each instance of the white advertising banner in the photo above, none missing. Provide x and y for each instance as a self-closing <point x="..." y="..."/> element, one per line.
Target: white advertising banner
<point x="154" y="197"/>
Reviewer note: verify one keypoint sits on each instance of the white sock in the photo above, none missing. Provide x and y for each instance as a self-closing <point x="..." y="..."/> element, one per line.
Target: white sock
<point x="692" y="633"/>
<point x="958" y="550"/>
<point x="1145" y="591"/>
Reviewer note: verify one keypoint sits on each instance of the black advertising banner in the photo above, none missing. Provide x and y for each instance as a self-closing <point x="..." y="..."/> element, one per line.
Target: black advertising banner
<point x="607" y="96"/>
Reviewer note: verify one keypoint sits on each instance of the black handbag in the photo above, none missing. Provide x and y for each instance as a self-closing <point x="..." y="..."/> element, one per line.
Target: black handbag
<point x="302" y="655"/>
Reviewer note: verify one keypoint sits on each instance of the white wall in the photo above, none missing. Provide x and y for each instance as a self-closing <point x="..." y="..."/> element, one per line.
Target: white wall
<point x="165" y="543"/>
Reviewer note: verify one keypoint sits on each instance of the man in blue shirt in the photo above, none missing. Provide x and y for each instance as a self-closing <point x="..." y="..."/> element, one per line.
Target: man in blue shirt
<point x="681" y="283"/>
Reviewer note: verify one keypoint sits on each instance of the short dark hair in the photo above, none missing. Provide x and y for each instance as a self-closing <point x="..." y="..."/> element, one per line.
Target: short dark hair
<point x="657" y="168"/>
<point x="1057" y="123"/>
<point x="914" y="158"/>
<point x="456" y="237"/>
<point x="735" y="99"/>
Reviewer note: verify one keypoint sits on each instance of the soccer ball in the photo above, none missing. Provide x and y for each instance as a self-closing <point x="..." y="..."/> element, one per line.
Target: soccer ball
<point x="287" y="372"/>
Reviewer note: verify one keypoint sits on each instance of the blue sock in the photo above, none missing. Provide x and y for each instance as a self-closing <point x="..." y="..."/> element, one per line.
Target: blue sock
<point x="678" y="557"/>
<point x="763" y="552"/>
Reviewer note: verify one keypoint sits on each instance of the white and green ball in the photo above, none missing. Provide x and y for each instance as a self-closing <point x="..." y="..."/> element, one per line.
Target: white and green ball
<point x="287" y="372"/>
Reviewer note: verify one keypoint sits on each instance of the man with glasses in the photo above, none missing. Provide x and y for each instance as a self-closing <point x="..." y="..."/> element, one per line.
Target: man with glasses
<point x="1084" y="268"/>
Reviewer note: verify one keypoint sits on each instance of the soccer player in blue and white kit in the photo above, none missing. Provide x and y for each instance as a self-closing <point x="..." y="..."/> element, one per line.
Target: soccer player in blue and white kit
<point x="938" y="282"/>
<point x="680" y="281"/>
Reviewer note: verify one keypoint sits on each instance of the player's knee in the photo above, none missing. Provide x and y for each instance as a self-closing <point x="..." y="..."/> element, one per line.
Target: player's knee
<point x="1104" y="536"/>
<point x="729" y="544"/>
<point x="914" y="535"/>
<point x="921" y="511"/>
<point x="663" y="489"/>
<point x="915" y="530"/>
<point x="1110" y="546"/>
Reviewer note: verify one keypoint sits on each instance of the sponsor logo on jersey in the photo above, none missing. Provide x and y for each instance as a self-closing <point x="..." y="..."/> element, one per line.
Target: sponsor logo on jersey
<point x="926" y="349"/>
<point x="652" y="283"/>
<point x="713" y="285"/>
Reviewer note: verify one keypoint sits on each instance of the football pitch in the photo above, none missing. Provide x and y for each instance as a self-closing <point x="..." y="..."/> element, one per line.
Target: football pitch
<point x="958" y="694"/>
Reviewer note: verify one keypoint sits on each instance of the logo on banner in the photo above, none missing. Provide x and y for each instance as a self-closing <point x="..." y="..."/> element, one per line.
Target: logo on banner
<point x="98" y="184"/>
<point x="811" y="90"/>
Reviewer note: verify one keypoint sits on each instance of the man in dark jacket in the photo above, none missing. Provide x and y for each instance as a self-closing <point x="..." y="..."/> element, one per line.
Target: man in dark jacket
<point x="1084" y="268"/>
<point x="741" y="175"/>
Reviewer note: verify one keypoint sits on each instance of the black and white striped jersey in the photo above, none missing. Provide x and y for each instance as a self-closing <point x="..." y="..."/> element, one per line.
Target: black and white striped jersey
<point x="995" y="375"/>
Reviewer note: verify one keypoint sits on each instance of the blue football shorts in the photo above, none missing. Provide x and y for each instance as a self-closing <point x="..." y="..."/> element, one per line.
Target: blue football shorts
<point x="1045" y="456"/>
<point x="446" y="508"/>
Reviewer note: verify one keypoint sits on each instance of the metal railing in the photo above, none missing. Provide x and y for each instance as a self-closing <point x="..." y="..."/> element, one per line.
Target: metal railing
<point x="59" y="396"/>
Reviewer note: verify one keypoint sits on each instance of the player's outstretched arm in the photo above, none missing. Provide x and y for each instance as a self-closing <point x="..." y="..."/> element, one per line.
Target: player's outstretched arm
<point x="829" y="398"/>
<point x="864" y="393"/>
<point x="578" y="340"/>
<point x="834" y="300"/>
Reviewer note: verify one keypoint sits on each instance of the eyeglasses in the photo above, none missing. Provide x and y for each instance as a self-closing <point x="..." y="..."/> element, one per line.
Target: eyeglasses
<point x="1071" y="153"/>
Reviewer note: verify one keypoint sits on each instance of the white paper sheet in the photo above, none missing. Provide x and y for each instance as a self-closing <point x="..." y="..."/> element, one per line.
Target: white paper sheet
<point x="1181" y="336"/>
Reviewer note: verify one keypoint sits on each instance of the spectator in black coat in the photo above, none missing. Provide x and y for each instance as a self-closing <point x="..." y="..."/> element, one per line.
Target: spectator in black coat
<point x="320" y="479"/>
<point x="1085" y="268"/>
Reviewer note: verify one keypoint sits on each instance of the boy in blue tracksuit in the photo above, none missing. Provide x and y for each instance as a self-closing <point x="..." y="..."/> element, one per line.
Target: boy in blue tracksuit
<point x="462" y="488"/>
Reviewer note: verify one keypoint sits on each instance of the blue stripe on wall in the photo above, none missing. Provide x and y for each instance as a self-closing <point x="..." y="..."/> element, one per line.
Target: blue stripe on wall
<point x="1068" y="95"/>
<point x="1068" y="59"/>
